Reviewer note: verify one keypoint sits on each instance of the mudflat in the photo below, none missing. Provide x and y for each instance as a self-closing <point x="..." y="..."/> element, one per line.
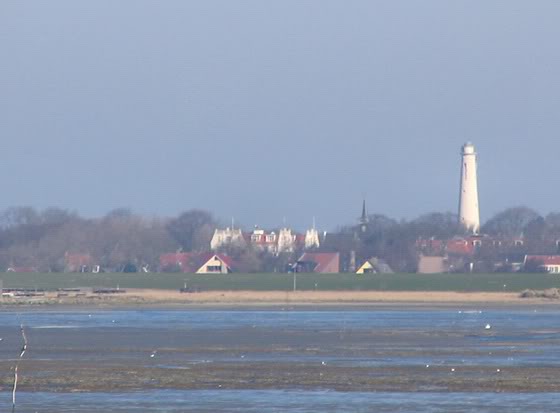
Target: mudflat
<point x="344" y="349"/>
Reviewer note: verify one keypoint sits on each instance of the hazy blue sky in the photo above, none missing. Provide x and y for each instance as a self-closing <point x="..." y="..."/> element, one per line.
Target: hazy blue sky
<point x="270" y="109"/>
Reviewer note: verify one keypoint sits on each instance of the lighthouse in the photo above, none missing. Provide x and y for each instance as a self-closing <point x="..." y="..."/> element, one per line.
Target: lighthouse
<point x="469" y="215"/>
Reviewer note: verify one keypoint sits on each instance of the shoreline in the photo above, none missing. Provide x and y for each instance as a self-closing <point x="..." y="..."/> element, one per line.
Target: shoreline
<point x="250" y="299"/>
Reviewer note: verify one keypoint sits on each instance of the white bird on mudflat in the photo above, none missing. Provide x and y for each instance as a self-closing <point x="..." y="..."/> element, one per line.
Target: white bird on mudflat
<point x="487" y="327"/>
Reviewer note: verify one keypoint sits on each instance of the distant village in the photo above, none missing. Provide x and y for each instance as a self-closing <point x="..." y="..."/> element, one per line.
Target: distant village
<point x="517" y="239"/>
<point x="55" y="240"/>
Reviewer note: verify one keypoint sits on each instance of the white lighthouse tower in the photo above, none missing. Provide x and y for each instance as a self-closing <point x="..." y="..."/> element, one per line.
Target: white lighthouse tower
<point x="468" y="197"/>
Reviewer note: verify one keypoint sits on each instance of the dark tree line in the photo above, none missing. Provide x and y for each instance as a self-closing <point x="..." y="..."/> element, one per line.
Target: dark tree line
<point x="40" y="239"/>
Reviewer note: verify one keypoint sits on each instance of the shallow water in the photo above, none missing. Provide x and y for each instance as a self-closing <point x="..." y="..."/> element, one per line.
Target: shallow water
<point x="178" y="339"/>
<point x="259" y="401"/>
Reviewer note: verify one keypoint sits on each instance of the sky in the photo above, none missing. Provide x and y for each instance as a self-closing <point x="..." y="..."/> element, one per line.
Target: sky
<point x="278" y="111"/>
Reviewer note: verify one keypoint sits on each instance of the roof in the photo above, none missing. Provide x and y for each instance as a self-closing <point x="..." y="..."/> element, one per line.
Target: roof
<point x="322" y="260"/>
<point x="184" y="260"/>
<point x="204" y="258"/>
<point x="460" y="246"/>
<point x="545" y="259"/>
<point x="191" y="261"/>
<point x="77" y="260"/>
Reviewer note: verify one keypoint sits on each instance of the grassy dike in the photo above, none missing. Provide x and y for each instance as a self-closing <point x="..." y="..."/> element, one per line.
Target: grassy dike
<point x="284" y="282"/>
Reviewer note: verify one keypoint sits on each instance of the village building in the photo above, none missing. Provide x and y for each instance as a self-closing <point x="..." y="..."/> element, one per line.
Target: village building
<point x="216" y="264"/>
<point x="432" y="264"/>
<point x="311" y="240"/>
<point x="196" y="263"/>
<point x="272" y="242"/>
<point x="318" y="262"/>
<point x="74" y="262"/>
<point x="229" y="237"/>
<point x="546" y="263"/>
<point x="286" y="241"/>
<point x="374" y="265"/>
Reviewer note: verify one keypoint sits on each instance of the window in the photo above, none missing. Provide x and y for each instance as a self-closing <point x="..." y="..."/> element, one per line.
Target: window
<point x="214" y="268"/>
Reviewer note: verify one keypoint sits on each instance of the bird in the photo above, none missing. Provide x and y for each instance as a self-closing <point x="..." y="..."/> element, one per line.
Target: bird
<point x="427" y="365"/>
<point x="452" y="370"/>
<point x="487" y="327"/>
<point x="498" y="370"/>
<point x="323" y="363"/>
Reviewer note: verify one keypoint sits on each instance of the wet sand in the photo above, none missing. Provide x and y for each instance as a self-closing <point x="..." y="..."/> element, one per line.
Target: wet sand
<point x="431" y="351"/>
<point x="81" y="376"/>
<point x="272" y="298"/>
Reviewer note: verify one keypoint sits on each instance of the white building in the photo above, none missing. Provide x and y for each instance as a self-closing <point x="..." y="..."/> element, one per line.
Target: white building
<point x="286" y="241"/>
<point x="311" y="239"/>
<point x="227" y="237"/>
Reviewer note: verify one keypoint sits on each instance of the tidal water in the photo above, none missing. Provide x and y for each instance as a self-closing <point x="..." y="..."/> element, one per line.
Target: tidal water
<point x="346" y="337"/>
<point x="266" y="401"/>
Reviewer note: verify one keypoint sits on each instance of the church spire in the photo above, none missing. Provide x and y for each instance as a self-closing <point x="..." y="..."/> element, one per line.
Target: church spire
<point x="364" y="218"/>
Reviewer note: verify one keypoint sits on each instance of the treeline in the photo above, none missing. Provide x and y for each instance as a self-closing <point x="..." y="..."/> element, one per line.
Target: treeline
<point x="40" y="239"/>
<point x="395" y="241"/>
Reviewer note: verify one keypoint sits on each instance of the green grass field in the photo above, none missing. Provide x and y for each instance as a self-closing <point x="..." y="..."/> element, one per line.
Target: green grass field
<point x="284" y="282"/>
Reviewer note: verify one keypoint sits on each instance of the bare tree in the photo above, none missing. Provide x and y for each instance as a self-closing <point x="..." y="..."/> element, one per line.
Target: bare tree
<point x="192" y="230"/>
<point x="510" y="223"/>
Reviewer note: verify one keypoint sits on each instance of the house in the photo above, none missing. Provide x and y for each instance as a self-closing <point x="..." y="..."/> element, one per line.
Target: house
<point x="22" y="269"/>
<point x="227" y="238"/>
<point x="262" y="240"/>
<point x="177" y="261"/>
<point x="196" y="263"/>
<point x="77" y="262"/>
<point x="273" y="242"/>
<point x="318" y="262"/>
<point x="215" y="264"/>
<point x="286" y="241"/>
<point x="374" y="266"/>
<point x="432" y="264"/>
<point x="462" y="246"/>
<point x="547" y="263"/>
<point x="311" y="239"/>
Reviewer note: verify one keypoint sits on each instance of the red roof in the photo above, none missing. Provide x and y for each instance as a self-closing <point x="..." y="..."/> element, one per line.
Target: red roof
<point x="325" y="262"/>
<point x="22" y="269"/>
<point x="460" y="247"/>
<point x="545" y="259"/>
<point x="77" y="260"/>
<point x="181" y="259"/>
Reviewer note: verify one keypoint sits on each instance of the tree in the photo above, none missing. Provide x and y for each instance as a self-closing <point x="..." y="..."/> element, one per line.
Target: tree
<point x="192" y="230"/>
<point x="510" y="223"/>
<point x="437" y="225"/>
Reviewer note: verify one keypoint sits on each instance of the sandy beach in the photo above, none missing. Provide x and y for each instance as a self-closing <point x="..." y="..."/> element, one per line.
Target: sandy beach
<point x="272" y="298"/>
<point x="323" y="297"/>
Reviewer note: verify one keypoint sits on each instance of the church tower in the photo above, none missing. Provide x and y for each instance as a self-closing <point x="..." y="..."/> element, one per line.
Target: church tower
<point x="364" y="218"/>
<point x="469" y="215"/>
